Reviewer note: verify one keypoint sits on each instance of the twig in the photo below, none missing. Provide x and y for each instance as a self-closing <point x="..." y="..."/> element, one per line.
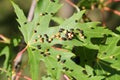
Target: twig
<point x="31" y="11"/>
<point x="4" y="39"/>
<point x="19" y="56"/>
<point x="73" y="5"/>
<point x="19" y="75"/>
<point x="16" y="62"/>
<point x="114" y="11"/>
<point x="66" y="77"/>
<point x="110" y="1"/>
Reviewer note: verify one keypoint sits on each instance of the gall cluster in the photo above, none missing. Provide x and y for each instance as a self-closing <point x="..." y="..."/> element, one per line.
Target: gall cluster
<point x="67" y="35"/>
<point x="62" y="34"/>
<point x="70" y="34"/>
<point x="46" y="13"/>
<point x="45" y="53"/>
<point x="60" y="60"/>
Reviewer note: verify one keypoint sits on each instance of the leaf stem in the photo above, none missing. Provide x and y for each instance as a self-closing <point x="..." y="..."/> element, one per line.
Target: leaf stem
<point x="16" y="62"/>
<point x="19" y="56"/>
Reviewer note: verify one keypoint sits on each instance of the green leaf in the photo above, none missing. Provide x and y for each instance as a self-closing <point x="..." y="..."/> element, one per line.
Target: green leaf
<point x="65" y="65"/>
<point x="34" y="64"/>
<point x="110" y="52"/>
<point x="29" y="30"/>
<point x="97" y="78"/>
<point x="115" y="77"/>
<point x="91" y="30"/>
<point x="21" y="19"/>
<point x="72" y="21"/>
<point x="108" y="57"/>
<point x="5" y="51"/>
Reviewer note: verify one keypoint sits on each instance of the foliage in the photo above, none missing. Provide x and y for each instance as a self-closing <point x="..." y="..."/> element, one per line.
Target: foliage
<point x="79" y="50"/>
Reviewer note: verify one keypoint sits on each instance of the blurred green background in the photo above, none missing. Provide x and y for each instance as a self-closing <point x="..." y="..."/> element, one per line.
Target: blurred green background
<point x="8" y="23"/>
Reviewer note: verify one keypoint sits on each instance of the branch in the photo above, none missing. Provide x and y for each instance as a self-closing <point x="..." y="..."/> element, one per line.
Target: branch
<point x="19" y="75"/>
<point x="110" y="1"/>
<point x="16" y="62"/>
<point x="19" y="56"/>
<point x="111" y="10"/>
<point x="66" y="77"/>
<point x="4" y="39"/>
<point x="73" y="5"/>
<point x="31" y="11"/>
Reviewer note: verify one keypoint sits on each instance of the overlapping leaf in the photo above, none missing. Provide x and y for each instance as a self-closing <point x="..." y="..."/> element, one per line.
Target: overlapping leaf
<point x="109" y="57"/>
<point x="5" y="51"/>
<point x="87" y="39"/>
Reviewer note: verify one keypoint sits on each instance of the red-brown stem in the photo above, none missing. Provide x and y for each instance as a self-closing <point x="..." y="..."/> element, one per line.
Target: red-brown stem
<point x="72" y="4"/>
<point x="110" y="1"/>
<point x="19" y="75"/>
<point x="1" y="36"/>
<point x="66" y="77"/>
<point x="111" y="10"/>
<point x="116" y="0"/>
<point x="27" y="78"/>
<point x="19" y="55"/>
<point x="16" y="61"/>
